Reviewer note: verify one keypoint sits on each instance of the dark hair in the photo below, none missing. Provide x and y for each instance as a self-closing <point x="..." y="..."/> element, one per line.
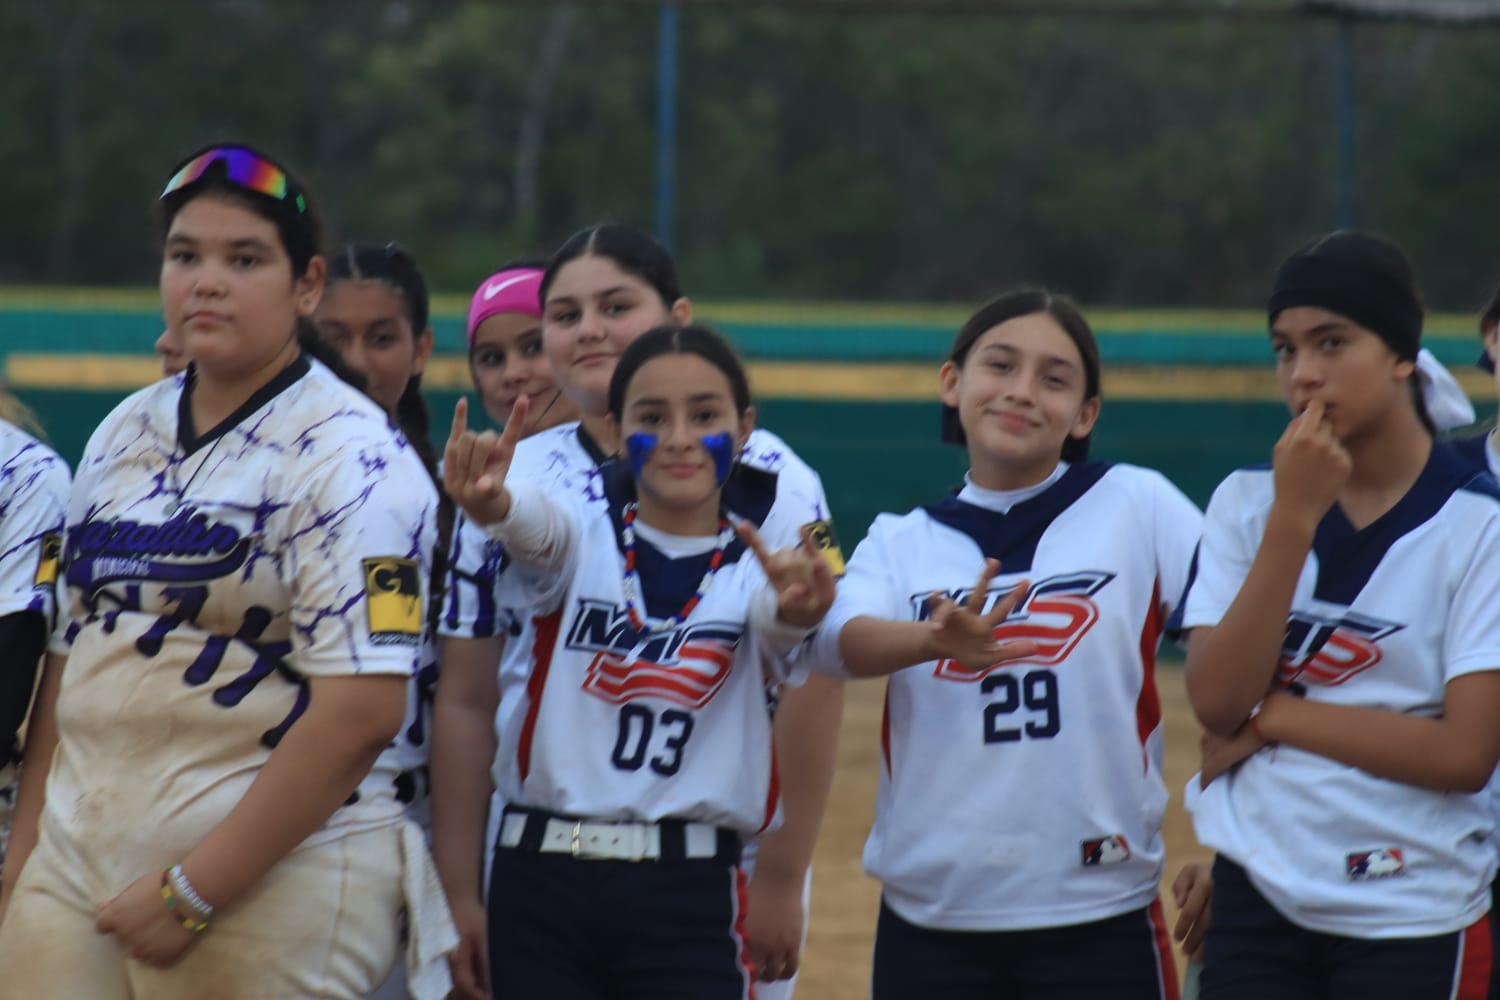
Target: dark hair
<point x="389" y="263"/>
<point x="1367" y="279"/>
<point x="1029" y="302"/>
<point x="295" y="218"/>
<point x="698" y="340"/>
<point x="299" y="228"/>
<point x="1490" y="318"/>
<point x="533" y="262"/>
<point x="633" y="251"/>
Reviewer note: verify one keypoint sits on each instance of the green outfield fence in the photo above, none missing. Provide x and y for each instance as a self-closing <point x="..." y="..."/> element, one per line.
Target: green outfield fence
<point x="849" y="387"/>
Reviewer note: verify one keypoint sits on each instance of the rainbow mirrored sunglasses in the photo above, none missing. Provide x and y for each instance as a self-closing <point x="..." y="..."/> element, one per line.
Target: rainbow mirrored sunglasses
<point x="242" y="168"/>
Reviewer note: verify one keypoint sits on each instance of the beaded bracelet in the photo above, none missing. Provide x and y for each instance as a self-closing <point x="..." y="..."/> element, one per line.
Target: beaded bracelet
<point x="187" y="893"/>
<point x="187" y="920"/>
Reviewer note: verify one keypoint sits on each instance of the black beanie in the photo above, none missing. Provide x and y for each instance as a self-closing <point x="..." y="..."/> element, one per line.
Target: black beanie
<point x="1361" y="277"/>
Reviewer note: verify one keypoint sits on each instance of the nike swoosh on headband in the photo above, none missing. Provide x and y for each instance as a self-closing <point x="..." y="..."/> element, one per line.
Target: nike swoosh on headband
<point x="490" y="291"/>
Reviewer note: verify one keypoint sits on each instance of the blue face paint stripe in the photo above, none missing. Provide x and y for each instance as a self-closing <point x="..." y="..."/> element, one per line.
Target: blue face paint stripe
<point x="638" y="447"/>
<point x="721" y="447"/>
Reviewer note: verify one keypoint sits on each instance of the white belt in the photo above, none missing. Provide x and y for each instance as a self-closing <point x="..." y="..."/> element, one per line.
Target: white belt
<point x="603" y="840"/>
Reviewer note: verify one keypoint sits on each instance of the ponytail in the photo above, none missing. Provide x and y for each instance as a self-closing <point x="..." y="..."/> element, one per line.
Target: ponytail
<point x="18" y="414"/>
<point x="415" y="421"/>
<point x="314" y="347"/>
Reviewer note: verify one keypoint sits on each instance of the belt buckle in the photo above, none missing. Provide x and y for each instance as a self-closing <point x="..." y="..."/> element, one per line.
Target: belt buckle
<point x="577" y="844"/>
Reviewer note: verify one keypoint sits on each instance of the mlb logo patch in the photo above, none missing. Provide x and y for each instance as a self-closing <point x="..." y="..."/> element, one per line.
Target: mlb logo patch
<point x="393" y="600"/>
<point x="1382" y="863"/>
<point x="1109" y="850"/>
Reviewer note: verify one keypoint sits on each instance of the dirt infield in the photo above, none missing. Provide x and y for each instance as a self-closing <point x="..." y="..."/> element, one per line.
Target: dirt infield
<point x="837" y="962"/>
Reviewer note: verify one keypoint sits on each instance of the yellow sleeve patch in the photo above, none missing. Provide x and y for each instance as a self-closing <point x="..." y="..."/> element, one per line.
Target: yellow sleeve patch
<point x="827" y="543"/>
<point x="46" y="564"/>
<point x="393" y="599"/>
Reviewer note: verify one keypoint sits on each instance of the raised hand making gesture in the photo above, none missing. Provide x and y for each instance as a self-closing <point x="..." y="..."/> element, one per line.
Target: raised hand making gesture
<point x="475" y="464"/>
<point x="800" y="576"/>
<point x="965" y="633"/>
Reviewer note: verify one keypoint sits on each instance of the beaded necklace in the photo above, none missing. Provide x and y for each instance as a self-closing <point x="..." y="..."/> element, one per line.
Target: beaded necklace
<point x="632" y="583"/>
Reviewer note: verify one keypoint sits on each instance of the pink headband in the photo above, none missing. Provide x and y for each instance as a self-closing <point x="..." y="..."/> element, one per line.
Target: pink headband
<point x="515" y="290"/>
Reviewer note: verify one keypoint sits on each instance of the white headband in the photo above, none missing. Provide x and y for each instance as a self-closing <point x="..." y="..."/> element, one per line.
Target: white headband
<point x="1447" y="404"/>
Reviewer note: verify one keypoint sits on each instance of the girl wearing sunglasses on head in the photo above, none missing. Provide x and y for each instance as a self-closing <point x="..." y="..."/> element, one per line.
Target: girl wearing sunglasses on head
<point x="246" y="567"/>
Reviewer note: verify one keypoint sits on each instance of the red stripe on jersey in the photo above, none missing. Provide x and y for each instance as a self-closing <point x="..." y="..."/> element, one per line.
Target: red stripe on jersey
<point x="737" y="931"/>
<point x="885" y="730"/>
<point x="1165" y="967"/>
<point x="1475" y="953"/>
<point x="547" y="627"/>
<point x="1148" y="703"/>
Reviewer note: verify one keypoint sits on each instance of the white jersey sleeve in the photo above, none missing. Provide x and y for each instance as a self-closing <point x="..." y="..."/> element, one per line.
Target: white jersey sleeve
<point x="1178" y="525"/>
<point x="800" y="500"/>
<point x="1224" y="555"/>
<point x="871" y="586"/>
<point x="540" y="534"/>
<point x="33" y="502"/>
<point x="360" y="570"/>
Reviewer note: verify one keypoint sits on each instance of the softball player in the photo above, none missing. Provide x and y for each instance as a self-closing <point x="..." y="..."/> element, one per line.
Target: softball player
<point x="1345" y="639"/>
<point x="506" y="362"/>
<point x="1484" y="451"/>
<point x="506" y="359"/>
<point x="605" y="287"/>
<point x="246" y="562"/>
<point x="1018" y="820"/>
<point x="33" y="498"/>
<point x="374" y="313"/>
<point x="642" y="753"/>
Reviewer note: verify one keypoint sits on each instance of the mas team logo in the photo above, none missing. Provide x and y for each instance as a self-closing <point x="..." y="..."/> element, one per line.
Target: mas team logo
<point x="393" y="600"/>
<point x="687" y="665"/>
<point x="1055" y="614"/>
<point x="46" y="564"/>
<point x="1329" y="651"/>
<point x="1386" y="862"/>
<point x="1109" y="850"/>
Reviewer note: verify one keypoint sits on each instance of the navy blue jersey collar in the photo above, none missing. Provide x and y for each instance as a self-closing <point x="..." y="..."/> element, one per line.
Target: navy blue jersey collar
<point x="1012" y="537"/>
<point x="1475" y="449"/>
<point x="1348" y="557"/>
<point x="590" y="446"/>
<point x="668" y="583"/>
<point x="187" y="436"/>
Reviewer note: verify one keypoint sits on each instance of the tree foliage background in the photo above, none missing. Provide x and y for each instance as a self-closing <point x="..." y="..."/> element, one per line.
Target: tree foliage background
<point x="889" y="156"/>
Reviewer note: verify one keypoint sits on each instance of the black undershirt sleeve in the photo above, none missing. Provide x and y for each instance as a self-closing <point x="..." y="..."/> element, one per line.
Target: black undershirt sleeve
<point x="23" y="640"/>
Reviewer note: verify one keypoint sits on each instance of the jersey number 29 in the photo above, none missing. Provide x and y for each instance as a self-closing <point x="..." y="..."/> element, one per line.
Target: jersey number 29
<point x="1036" y="691"/>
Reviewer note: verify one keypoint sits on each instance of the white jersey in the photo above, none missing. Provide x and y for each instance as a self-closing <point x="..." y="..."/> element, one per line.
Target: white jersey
<point x="1030" y="794"/>
<point x="207" y="580"/>
<point x="1383" y="617"/>
<point x="33" y="499"/>
<point x="616" y="724"/>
